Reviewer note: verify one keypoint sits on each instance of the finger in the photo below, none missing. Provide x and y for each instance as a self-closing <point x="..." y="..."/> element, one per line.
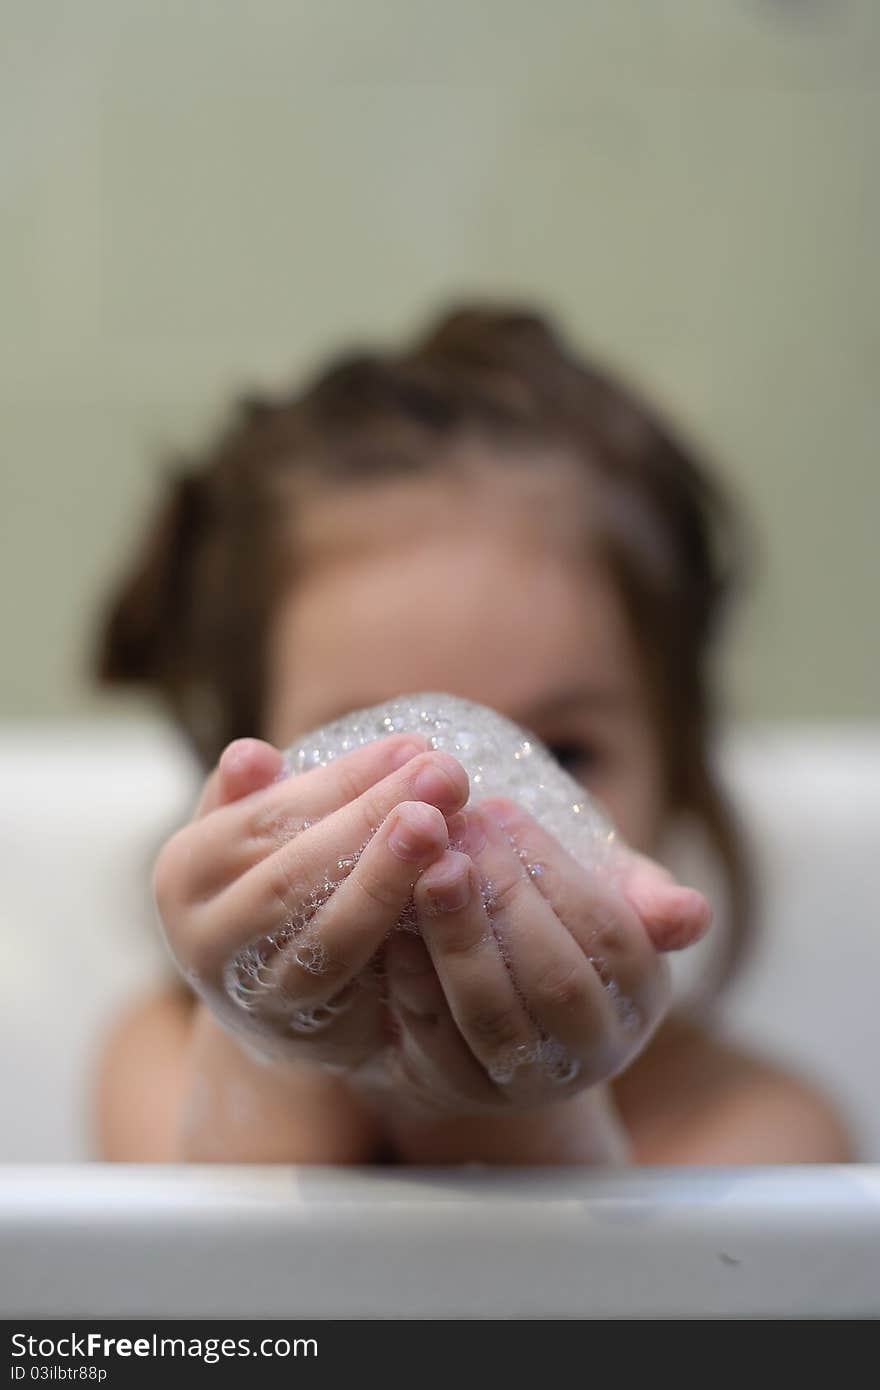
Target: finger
<point x="346" y="1029"/>
<point x="285" y="888"/>
<point x="429" y="1053"/>
<point x="291" y="874"/>
<point x="595" y="913"/>
<point x="343" y="935"/>
<point x="244" y="766"/>
<point x="338" y="839"/>
<point x="576" y="1023"/>
<point x="324" y="944"/>
<point x="471" y="968"/>
<point x="674" y="916"/>
<point x="322" y="790"/>
<point x="235" y="838"/>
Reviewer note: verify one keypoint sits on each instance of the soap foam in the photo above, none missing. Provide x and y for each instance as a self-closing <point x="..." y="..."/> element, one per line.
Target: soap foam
<point x="556" y="1062"/>
<point x="500" y="758"/>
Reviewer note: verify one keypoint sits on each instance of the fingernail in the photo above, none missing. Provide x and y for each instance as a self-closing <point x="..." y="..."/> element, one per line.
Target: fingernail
<point x="456" y="824"/>
<point x="413" y="832"/>
<point x="438" y="784"/>
<point x="499" y="815"/>
<point x="236" y="753"/>
<point x="404" y="753"/>
<point x="453" y="895"/>
<point x="690" y="914"/>
<point x="469" y="832"/>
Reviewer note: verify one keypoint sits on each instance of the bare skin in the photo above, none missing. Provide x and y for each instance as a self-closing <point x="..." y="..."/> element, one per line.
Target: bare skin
<point x="401" y="591"/>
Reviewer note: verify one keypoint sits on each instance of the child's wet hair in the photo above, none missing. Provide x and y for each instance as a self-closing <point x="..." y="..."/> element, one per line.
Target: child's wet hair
<point x="190" y="621"/>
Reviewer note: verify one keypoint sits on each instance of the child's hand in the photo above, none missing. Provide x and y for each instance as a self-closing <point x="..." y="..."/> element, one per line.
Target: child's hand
<point x="556" y="988"/>
<point x="263" y="849"/>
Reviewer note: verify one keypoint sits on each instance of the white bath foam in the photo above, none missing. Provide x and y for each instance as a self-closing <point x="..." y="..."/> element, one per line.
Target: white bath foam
<point x="555" y="1061"/>
<point x="500" y="758"/>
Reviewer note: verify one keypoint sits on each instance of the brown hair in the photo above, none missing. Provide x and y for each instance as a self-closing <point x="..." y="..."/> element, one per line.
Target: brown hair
<point x="190" y="622"/>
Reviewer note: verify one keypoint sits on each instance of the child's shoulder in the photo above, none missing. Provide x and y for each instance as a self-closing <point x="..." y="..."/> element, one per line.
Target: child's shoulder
<point x="692" y="1097"/>
<point x="167" y="1008"/>
<point x="138" y="1075"/>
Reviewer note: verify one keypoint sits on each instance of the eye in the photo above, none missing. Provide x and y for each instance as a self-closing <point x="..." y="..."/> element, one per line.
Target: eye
<point x="575" y="756"/>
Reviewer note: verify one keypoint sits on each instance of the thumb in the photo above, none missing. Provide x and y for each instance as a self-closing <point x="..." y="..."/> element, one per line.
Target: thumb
<point x="246" y="765"/>
<point x="673" y="916"/>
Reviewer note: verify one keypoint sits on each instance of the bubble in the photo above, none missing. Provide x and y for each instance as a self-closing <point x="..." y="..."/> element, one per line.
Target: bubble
<point x="488" y="893"/>
<point x="558" y="1063"/>
<point x="627" y="1014"/>
<point x="504" y="1067"/>
<point x="500" y="758"/>
<point x="252" y="973"/>
<point x="312" y="956"/>
<point x="547" y="1053"/>
<point x="314" y="1019"/>
<point x="308" y="1020"/>
<point x="408" y="919"/>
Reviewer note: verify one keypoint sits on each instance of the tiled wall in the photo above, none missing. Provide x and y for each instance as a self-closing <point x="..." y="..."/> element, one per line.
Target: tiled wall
<point x="196" y="197"/>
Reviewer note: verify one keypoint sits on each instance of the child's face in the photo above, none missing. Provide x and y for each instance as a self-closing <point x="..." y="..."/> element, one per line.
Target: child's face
<point x="485" y="588"/>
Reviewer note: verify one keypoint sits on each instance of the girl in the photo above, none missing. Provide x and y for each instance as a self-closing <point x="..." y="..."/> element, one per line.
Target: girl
<point x="487" y="514"/>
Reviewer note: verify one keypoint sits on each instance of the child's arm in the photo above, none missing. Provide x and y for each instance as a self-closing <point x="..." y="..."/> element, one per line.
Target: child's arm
<point x="139" y="1081"/>
<point x="691" y="1098"/>
<point x="510" y="1027"/>
<point x="174" y="1082"/>
<point x="173" y="1087"/>
<point x="247" y="1076"/>
<point x="687" y="1099"/>
<point x="584" y="1129"/>
<point x="256" y="1071"/>
<point x="684" y="1097"/>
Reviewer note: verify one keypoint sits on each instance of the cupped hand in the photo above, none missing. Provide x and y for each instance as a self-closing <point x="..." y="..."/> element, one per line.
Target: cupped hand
<point x="278" y="895"/>
<point x="533" y="977"/>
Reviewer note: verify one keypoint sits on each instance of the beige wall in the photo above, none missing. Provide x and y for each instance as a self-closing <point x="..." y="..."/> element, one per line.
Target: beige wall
<point x="199" y="197"/>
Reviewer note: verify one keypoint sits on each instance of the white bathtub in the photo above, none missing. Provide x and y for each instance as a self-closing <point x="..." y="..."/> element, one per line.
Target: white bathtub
<point x="85" y="807"/>
<point x="277" y="1242"/>
<point x="84" y="810"/>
